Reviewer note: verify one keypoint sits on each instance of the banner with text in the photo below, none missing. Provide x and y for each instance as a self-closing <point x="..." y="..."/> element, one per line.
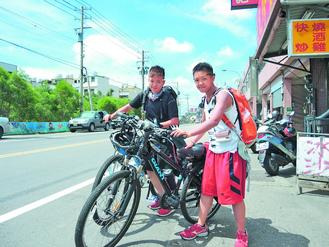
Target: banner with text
<point x="244" y="4"/>
<point x="309" y="37"/>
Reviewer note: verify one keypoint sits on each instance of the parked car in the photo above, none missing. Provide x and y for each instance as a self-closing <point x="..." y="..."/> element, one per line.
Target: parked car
<point x="4" y="125"/>
<point x="89" y="120"/>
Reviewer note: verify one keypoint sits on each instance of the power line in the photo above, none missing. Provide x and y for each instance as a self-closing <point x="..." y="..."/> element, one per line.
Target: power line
<point x="42" y="27"/>
<point x="36" y="24"/>
<point x="113" y="26"/>
<point x="133" y="52"/>
<point x="128" y="39"/>
<point x="61" y="9"/>
<point x="108" y="26"/>
<point x="71" y="6"/>
<point x="59" y="60"/>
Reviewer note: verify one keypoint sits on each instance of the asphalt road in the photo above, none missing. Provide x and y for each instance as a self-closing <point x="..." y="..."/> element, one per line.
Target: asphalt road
<point x="45" y="179"/>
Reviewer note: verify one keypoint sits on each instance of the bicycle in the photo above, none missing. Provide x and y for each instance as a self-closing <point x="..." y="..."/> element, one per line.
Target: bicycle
<point x="112" y="205"/>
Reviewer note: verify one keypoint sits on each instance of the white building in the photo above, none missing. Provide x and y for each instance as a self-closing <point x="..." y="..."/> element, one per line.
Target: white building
<point x="9" y="67"/>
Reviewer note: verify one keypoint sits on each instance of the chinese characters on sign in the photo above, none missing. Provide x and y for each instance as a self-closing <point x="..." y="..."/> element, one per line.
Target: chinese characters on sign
<point x="309" y="37"/>
<point x="313" y="156"/>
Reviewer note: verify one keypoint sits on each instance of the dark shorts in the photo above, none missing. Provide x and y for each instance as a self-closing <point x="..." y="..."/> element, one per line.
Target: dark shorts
<point x="224" y="176"/>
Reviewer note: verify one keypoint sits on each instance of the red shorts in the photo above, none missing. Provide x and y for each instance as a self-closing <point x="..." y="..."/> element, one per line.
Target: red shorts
<point x="224" y="176"/>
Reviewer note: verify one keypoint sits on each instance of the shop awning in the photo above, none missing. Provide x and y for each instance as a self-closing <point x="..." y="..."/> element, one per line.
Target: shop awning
<point x="274" y="39"/>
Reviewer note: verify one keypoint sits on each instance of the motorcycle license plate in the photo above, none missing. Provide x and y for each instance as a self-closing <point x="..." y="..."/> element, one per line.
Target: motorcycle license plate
<point x="262" y="146"/>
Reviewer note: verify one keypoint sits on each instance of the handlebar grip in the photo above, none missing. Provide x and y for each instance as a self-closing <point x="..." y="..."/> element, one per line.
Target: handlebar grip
<point x="121" y="114"/>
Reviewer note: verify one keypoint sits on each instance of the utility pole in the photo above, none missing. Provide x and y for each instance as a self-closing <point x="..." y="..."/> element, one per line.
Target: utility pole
<point x="80" y="34"/>
<point x="178" y="93"/>
<point x="143" y="71"/>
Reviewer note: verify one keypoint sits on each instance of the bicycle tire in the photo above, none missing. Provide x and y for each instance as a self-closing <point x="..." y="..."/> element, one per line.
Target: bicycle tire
<point x="101" y="174"/>
<point x="190" y="194"/>
<point x="86" y="221"/>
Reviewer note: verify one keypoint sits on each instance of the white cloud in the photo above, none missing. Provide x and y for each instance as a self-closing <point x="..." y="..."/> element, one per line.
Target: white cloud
<point x="100" y="47"/>
<point x="46" y="74"/>
<point x="170" y="44"/>
<point x="189" y="94"/>
<point x="109" y="57"/>
<point x="218" y="12"/>
<point x="223" y="10"/>
<point x="225" y="52"/>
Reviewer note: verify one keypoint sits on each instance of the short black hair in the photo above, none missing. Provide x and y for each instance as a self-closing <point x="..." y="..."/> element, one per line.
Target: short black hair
<point x="158" y="69"/>
<point x="203" y="67"/>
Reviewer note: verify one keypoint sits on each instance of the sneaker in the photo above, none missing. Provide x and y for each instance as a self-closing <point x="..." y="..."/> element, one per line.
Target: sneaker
<point x="194" y="231"/>
<point x="241" y="239"/>
<point x="165" y="212"/>
<point x="155" y="204"/>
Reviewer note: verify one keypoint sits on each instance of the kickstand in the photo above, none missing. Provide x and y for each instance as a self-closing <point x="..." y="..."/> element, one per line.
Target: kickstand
<point x="148" y="190"/>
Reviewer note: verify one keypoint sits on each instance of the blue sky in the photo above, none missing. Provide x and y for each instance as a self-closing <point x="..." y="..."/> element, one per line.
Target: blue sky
<point x="175" y="34"/>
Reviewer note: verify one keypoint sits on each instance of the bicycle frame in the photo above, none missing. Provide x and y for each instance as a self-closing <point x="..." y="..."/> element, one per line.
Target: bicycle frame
<point x="153" y="157"/>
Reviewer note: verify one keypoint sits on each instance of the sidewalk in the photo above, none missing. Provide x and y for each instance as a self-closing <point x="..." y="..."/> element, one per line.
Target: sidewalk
<point x="276" y="216"/>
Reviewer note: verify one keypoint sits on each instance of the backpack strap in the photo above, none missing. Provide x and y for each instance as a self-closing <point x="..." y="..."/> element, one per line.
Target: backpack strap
<point x="145" y="93"/>
<point x="227" y="121"/>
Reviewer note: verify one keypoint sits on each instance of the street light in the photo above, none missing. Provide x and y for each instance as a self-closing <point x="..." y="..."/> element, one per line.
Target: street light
<point x="228" y="70"/>
<point x="236" y="72"/>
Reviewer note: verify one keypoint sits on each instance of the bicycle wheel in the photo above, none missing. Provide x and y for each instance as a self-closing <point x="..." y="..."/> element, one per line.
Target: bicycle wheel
<point x="108" y="211"/>
<point x="190" y="199"/>
<point x="111" y="165"/>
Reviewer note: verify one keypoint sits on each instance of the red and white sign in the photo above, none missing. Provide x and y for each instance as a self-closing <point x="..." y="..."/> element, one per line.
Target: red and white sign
<point x="244" y="4"/>
<point x="313" y="156"/>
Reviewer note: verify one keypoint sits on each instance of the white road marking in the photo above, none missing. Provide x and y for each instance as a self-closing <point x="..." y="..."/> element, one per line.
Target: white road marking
<point x="38" y="137"/>
<point x="39" y="150"/>
<point x="12" y="214"/>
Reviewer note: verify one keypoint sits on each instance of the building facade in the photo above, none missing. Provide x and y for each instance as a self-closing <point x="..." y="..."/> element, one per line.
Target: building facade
<point x="288" y="77"/>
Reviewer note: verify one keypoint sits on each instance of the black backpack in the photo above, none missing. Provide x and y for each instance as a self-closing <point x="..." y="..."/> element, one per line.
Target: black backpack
<point x="166" y="89"/>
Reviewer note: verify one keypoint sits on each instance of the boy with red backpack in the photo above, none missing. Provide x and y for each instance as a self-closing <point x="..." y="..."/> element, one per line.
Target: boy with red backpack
<point x="224" y="173"/>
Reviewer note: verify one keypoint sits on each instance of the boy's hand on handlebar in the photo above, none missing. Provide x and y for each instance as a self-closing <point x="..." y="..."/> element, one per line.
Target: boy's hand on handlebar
<point x="179" y="132"/>
<point x="107" y="117"/>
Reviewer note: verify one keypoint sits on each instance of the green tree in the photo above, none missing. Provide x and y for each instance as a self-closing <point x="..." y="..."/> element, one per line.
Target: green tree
<point x="44" y="105"/>
<point x="107" y="103"/>
<point x="65" y="102"/>
<point x="5" y="93"/>
<point x="23" y="98"/>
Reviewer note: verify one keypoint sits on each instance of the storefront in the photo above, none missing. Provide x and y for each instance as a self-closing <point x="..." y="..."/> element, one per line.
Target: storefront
<point x="293" y="72"/>
<point x="285" y="66"/>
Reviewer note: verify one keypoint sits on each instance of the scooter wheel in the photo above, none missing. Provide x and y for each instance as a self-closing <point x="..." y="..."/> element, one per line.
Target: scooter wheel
<point x="271" y="167"/>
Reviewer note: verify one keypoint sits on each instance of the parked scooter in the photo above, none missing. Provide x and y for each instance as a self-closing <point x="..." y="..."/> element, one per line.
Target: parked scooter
<point x="270" y="119"/>
<point x="276" y="145"/>
<point x="253" y="146"/>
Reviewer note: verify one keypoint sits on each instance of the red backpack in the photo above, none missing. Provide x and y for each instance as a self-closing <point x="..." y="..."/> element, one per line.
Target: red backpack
<point x="247" y="124"/>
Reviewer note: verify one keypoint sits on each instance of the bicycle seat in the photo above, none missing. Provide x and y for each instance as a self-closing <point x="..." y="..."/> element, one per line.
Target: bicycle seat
<point x="198" y="152"/>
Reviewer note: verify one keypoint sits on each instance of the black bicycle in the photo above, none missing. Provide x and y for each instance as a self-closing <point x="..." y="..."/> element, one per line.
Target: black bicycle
<point x="112" y="205"/>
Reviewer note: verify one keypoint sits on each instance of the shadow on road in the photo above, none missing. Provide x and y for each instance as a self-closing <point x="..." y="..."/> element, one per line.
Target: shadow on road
<point x="261" y="232"/>
<point x="287" y="172"/>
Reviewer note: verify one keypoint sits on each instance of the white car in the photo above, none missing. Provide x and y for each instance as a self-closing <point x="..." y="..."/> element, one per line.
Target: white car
<point x="89" y="120"/>
<point x="4" y="125"/>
